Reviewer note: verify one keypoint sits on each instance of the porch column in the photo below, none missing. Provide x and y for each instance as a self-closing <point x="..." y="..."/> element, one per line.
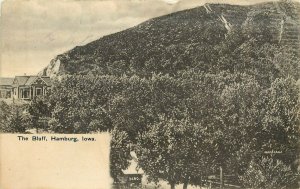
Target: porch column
<point x="30" y="92"/>
<point x="33" y="92"/>
<point x="17" y="92"/>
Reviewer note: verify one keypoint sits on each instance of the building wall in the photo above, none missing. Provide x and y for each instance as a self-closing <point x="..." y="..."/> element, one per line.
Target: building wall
<point x="15" y="92"/>
<point x="5" y="92"/>
<point x="32" y="91"/>
<point x="26" y="92"/>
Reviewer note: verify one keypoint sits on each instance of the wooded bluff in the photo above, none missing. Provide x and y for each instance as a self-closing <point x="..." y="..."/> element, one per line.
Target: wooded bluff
<point x="191" y="93"/>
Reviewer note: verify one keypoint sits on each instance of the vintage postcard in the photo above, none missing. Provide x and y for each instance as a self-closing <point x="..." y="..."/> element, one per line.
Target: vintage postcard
<point x="153" y="94"/>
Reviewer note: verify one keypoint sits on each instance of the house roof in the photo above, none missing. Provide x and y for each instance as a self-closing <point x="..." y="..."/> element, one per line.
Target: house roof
<point x="47" y="80"/>
<point x="21" y="80"/>
<point x="28" y="80"/>
<point x="6" y="81"/>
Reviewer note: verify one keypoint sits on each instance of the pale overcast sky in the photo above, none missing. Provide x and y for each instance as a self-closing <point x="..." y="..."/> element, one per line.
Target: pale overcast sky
<point x="35" y="31"/>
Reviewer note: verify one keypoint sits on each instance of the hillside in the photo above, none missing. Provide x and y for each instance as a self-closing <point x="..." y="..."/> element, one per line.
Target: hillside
<point x="199" y="38"/>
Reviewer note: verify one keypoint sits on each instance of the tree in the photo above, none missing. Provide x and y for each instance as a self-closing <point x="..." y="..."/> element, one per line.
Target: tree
<point x="237" y="120"/>
<point x="142" y="100"/>
<point x="15" y="121"/>
<point x="267" y="173"/>
<point x="79" y="104"/>
<point x="12" y="118"/>
<point x="157" y="154"/>
<point x="173" y="150"/>
<point x="119" y="153"/>
<point x="5" y="111"/>
<point x="280" y="108"/>
<point x="194" y="158"/>
<point x="131" y="108"/>
<point x="38" y="109"/>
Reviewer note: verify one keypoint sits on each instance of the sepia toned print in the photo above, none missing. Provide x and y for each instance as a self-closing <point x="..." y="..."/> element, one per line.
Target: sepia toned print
<point x="169" y="94"/>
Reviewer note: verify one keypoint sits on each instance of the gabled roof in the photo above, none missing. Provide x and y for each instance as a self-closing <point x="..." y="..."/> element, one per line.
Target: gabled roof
<point x="47" y="80"/>
<point x="29" y="80"/>
<point x="33" y="79"/>
<point x="6" y="81"/>
<point x="21" y="80"/>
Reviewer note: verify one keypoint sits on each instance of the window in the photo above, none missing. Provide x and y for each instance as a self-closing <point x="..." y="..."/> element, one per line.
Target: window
<point x="38" y="91"/>
<point x="24" y="93"/>
<point x="8" y="94"/>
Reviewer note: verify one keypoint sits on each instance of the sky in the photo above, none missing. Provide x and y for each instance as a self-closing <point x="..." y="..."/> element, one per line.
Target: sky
<point x="32" y="32"/>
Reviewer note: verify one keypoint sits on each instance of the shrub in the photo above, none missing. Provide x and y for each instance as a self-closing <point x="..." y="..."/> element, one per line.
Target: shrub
<point x="267" y="173"/>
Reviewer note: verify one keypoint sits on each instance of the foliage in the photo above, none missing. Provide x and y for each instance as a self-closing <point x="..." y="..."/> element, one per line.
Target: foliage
<point x="11" y="120"/>
<point x="267" y="173"/>
<point x="78" y="104"/>
<point x="191" y="95"/>
<point x="119" y="153"/>
<point x="279" y="111"/>
<point x="194" y="121"/>
<point x="4" y="116"/>
<point x="38" y="112"/>
<point x="175" y="151"/>
<point x="143" y="100"/>
<point x="15" y="122"/>
<point x="236" y="121"/>
<point x="194" y="39"/>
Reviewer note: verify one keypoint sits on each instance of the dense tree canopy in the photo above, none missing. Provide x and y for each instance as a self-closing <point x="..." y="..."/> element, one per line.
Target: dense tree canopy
<point x="11" y="118"/>
<point x="202" y="98"/>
